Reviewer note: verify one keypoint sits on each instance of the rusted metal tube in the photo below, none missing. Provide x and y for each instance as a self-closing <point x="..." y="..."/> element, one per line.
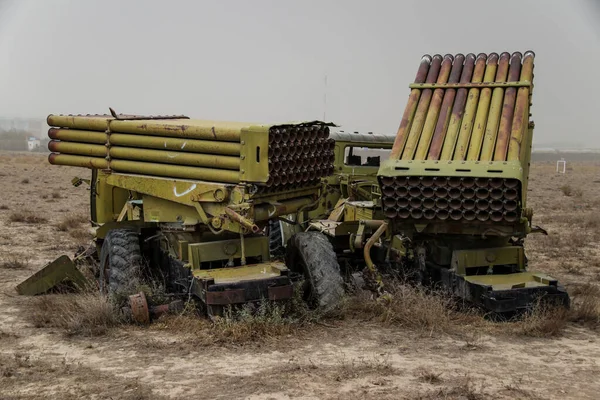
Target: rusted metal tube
<point x="454" y="193"/>
<point x="390" y="213"/>
<point x="457" y="109"/>
<point x="409" y="111"/>
<point x="413" y="180"/>
<point x="421" y="112"/>
<point x="72" y="135"/>
<point x="482" y="110"/>
<point x="521" y="115"/>
<point x="510" y="194"/>
<point x="496" y="205"/>
<point x="468" y="182"/>
<point x="389" y="202"/>
<point x="466" y="124"/>
<point x="414" y="191"/>
<point x="428" y="203"/>
<point x="427" y="192"/>
<point x="491" y="128"/>
<point x="443" y="119"/>
<point x="496" y="182"/>
<point x="441" y="192"/>
<point x="496" y="216"/>
<point x="454" y="182"/>
<point x="482" y="204"/>
<point x="482" y="193"/>
<point x="401" y="180"/>
<point x="442" y="214"/>
<point x="455" y="204"/>
<point x="468" y="204"/>
<point x="434" y="110"/>
<point x="367" y="250"/>
<point x="401" y="191"/>
<point x="416" y="213"/>
<point x="456" y="215"/>
<point x="242" y="220"/>
<point x="510" y="205"/>
<point x="387" y="180"/>
<point x="469" y="215"/>
<point x="402" y="202"/>
<point x="511" y="183"/>
<point x="388" y="191"/>
<point x="175" y="157"/>
<point x="429" y="214"/>
<point x="427" y="181"/>
<point x="481" y="182"/>
<point x="77" y="161"/>
<point x="84" y="149"/>
<point x="468" y="193"/>
<point x="441" y="181"/>
<point x="483" y="215"/>
<point x="508" y="109"/>
<point x="441" y="203"/>
<point x="496" y="193"/>
<point x="403" y="213"/>
<point x="415" y="202"/>
<point x="510" y="216"/>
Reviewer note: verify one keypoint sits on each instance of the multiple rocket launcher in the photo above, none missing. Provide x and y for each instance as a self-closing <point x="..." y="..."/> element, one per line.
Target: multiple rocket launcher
<point x="277" y="157"/>
<point x="463" y="113"/>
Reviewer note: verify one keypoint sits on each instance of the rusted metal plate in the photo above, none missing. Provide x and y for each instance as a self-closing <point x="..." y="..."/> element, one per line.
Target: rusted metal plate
<point x="280" y="292"/>
<point x="139" y="308"/>
<point x="222" y="298"/>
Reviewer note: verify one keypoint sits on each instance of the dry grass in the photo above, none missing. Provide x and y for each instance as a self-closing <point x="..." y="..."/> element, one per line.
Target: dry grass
<point x="428" y="376"/>
<point x="85" y="314"/>
<point x="25" y="181"/>
<point x="71" y="222"/>
<point x="4" y="207"/>
<point x="14" y="262"/>
<point x="412" y="307"/>
<point x="27" y="216"/>
<point x="56" y="195"/>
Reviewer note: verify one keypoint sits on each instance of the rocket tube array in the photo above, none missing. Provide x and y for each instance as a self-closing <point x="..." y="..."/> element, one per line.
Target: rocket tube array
<point x="299" y="154"/>
<point x="453" y="198"/>
<point x="479" y="122"/>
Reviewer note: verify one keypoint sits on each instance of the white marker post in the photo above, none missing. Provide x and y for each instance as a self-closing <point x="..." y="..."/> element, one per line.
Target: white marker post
<point x="561" y="163"/>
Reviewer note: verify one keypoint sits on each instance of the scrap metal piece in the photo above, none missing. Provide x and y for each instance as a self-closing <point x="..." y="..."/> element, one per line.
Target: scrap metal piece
<point x="61" y="270"/>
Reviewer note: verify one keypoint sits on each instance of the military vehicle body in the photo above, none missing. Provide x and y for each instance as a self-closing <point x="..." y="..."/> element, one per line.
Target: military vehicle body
<point x="195" y="197"/>
<point x="455" y="186"/>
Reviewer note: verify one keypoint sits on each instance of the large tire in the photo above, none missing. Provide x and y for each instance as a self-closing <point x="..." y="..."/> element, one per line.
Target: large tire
<point x="276" y="247"/>
<point x="311" y="254"/>
<point x="120" y="262"/>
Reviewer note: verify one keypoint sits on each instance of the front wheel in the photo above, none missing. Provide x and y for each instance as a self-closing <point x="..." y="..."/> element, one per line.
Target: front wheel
<point x="120" y="263"/>
<point x="311" y="254"/>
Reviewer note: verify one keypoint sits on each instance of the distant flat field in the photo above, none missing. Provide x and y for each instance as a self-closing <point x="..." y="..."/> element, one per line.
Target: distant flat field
<point x="43" y="216"/>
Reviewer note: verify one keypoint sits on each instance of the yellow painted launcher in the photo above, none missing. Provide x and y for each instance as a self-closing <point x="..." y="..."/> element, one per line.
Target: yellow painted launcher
<point x="274" y="157"/>
<point x="464" y="142"/>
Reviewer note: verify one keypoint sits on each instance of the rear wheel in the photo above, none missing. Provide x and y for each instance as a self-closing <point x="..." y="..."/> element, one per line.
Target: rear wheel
<point x="311" y="254"/>
<point x="120" y="262"/>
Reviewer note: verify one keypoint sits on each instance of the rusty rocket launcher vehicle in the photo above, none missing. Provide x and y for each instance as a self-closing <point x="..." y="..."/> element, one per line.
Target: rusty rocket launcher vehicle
<point x="194" y="198"/>
<point x="454" y="190"/>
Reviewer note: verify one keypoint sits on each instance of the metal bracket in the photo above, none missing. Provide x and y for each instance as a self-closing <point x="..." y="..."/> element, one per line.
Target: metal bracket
<point x="469" y="85"/>
<point x="128" y="117"/>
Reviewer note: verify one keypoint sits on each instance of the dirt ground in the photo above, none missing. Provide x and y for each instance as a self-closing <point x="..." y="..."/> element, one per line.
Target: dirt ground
<point x="341" y="359"/>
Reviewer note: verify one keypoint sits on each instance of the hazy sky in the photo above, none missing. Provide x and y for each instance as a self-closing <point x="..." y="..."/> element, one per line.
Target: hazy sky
<point x="266" y="61"/>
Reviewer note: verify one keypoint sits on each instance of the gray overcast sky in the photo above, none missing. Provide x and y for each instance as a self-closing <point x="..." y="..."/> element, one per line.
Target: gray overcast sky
<point x="266" y="60"/>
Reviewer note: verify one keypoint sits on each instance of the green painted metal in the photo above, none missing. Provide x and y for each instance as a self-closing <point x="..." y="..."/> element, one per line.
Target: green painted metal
<point x="59" y="271"/>
<point x="175" y="157"/>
